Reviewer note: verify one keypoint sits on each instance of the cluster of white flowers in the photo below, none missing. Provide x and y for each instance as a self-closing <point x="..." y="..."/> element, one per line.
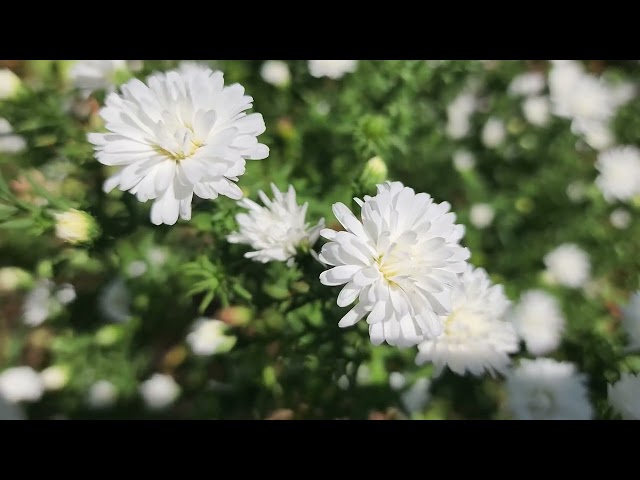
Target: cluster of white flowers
<point x="539" y="321"/>
<point x="568" y="265"/>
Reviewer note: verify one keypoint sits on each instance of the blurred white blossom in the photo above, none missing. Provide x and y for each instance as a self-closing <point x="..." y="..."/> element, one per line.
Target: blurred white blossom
<point x="21" y="384"/>
<point x="54" y="377"/>
<point x="481" y="215"/>
<point x="114" y="301"/>
<point x="102" y="394"/>
<point x="537" y="110"/>
<point x="568" y="265"/>
<point x="463" y="160"/>
<point x="459" y="114"/>
<point x="9" y="84"/>
<point x="619" y="177"/>
<point x="493" y="133"/>
<point x="527" y="84"/>
<point x="620" y="218"/>
<point x="276" y="72"/>
<point x="624" y="396"/>
<point x="91" y="75"/>
<point x="539" y="321"/>
<point x="159" y="391"/>
<point x="331" y="68"/>
<point x="208" y="337"/>
<point x="416" y="398"/>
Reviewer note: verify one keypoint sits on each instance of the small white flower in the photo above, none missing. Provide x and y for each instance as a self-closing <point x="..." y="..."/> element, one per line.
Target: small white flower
<point x="10" y="143"/>
<point x="54" y="377"/>
<point x="631" y="320"/>
<point x="343" y="382"/>
<point x="184" y="133"/>
<point x="331" y="68"/>
<point x="208" y="337"/>
<point x="536" y="110"/>
<point x="397" y="381"/>
<point x="619" y="177"/>
<point x="159" y="391"/>
<point x="624" y="396"/>
<point x="157" y="256"/>
<point x="74" y="226"/>
<point x="10" y="411"/>
<point x="539" y="321"/>
<point x="415" y="399"/>
<point x="21" y="384"/>
<point x="493" y="133"/>
<point x="481" y="215"/>
<point x="276" y="230"/>
<point x="363" y="375"/>
<point x="576" y="191"/>
<point x="400" y="260"/>
<point x="276" y="72"/>
<point x="115" y="300"/>
<point x="476" y="337"/>
<point x="463" y="160"/>
<point x="527" y="84"/>
<point x="9" y="83"/>
<point x="620" y="218"/>
<point x="459" y="114"/>
<point x="102" y="394"/>
<point x="40" y="304"/>
<point x="136" y="269"/>
<point x="66" y="294"/>
<point x="91" y="75"/>
<point x="545" y="389"/>
<point x="568" y="265"/>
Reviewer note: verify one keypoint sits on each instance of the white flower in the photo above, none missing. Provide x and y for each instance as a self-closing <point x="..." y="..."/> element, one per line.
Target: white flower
<point x="115" y="300"/>
<point x="40" y="304"/>
<point x="624" y="396"/>
<point x="9" y="83"/>
<point x="10" y="143"/>
<point x="331" y="68"/>
<point x="90" y="75"/>
<point x="157" y="256"/>
<point x="631" y="319"/>
<point x="459" y="113"/>
<point x="66" y="294"/>
<point x="209" y="337"/>
<point x="399" y="260"/>
<point x="620" y="218"/>
<point x="102" y="394"/>
<point x="536" y="110"/>
<point x="183" y="134"/>
<point x="539" y="321"/>
<point x="21" y="384"/>
<point x="10" y="411"/>
<point x="159" y="391"/>
<point x="619" y="177"/>
<point x="75" y="226"/>
<point x="622" y="93"/>
<point x="397" y="381"/>
<point x="275" y="230"/>
<point x="136" y="269"/>
<point x="276" y="72"/>
<point x="415" y="399"/>
<point x="527" y="84"/>
<point x="476" y="337"/>
<point x="589" y="100"/>
<point x="481" y="215"/>
<point x="568" y="265"/>
<point x="563" y="76"/>
<point x="54" y="377"/>
<point x="576" y="191"/>
<point x="598" y="135"/>
<point x="463" y="160"/>
<point x="545" y="389"/>
<point x="493" y="133"/>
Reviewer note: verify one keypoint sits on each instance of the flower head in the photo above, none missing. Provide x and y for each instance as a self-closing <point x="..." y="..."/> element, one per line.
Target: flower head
<point x="620" y="218"/>
<point x="400" y="260"/>
<point x="527" y="84"/>
<point x="545" y="389"/>
<point x="75" y="226"/>
<point x="55" y="377"/>
<point x="536" y="110"/>
<point x="182" y="133"/>
<point x="102" y="394"/>
<point x="631" y="319"/>
<point x="568" y="265"/>
<point x="463" y="160"/>
<point x="91" y="75"/>
<point x="40" y="303"/>
<point x="476" y="337"/>
<point x="493" y="133"/>
<point x="624" y="396"/>
<point x="159" y="391"/>
<point x="459" y="114"/>
<point x="114" y="301"/>
<point x="209" y="337"/>
<point x="619" y="177"/>
<point x="276" y="72"/>
<point x="539" y="321"/>
<point x="276" y="230"/>
<point x="21" y="384"/>
<point x="481" y="215"/>
<point x="332" y="68"/>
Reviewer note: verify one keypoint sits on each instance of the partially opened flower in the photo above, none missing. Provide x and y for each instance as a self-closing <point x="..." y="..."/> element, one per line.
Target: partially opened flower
<point x="276" y="230"/>
<point x="624" y="396"/>
<point x="182" y="133"/>
<point x="399" y="260"/>
<point x="476" y="337"/>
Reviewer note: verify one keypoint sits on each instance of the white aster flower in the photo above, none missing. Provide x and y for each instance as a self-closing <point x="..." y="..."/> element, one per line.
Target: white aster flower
<point x="54" y="377"/>
<point x="620" y="218"/>
<point x="416" y="398"/>
<point x="400" y="260"/>
<point x="481" y="215"/>
<point x="102" y="394"/>
<point x="539" y="321"/>
<point x="493" y="133"/>
<point x="568" y="265"/>
<point x="40" y="303"/>
<point x="115" y="300"/>
<point x="21" y="384"/>
<point x="331" y="68"/>
<point x="631" y="320"/>
<point x="10" y="411"/>
<point x="536" y="110"/>
<point x="208" y="337"/>
<point x="476" y="337"/>
<point x="275" y="230"/>
<point x="463" y="160"/>
<point x="589" y="100"/>
<point x="459" y="114"/>
<point x="183" y="134"/>
<point x="9" y="83"/>
<point x="545" y="389"/>
<point x="276" y="72"/>
<point x="91" y="75"/>
<point x="619" y="177"/>
<point x="624" y="396"/>
<point x="527" y="84"/>
<point x="159" y="391"/>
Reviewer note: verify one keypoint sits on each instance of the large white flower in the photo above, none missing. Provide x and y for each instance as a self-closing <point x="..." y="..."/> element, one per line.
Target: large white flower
<point x="631" y="319"/>
<point x="21" y="384"/>
<point x="208" y="337"/>
<point x="539" y="321"/>
<point x="184" y="133"/>
<point x="619" y="177"/>
<point x="277" y="229"/>
<point x="332" y="68"/>
<point x="400" y="260"/>
<point x="476" y="337"/>
<point x="624" y="396"/>
<point x="90" y="75"/>
<point x="568" y="265"/>
<point x="545" y="389"/>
